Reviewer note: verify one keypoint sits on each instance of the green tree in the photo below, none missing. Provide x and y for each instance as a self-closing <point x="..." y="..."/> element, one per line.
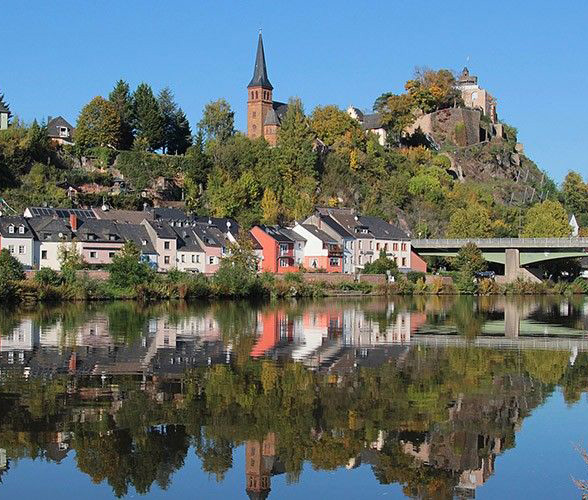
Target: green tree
<point x="177" y="135"/>
<point x="218" y="121"/>
<point x="196" y="173"/>
<point x="468" y="262"/>
<point x="149" y="121"/>
<point x="382" y="265"/>
<point x="396" y="115"/>
<point x="10" y="267"/>
<point x="121" y="99"/>
<point x="127" y="270"/>
<point x="472" y="221"/>
<point x="546" y="220"/>
<point x="98" y="125"/>
<point x="270" y="207"/>
<point x="575" y="197"/>
<point x="70" y="260"/>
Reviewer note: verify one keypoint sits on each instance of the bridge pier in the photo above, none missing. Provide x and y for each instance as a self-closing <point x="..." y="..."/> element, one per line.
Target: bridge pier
<point x="512" y="320"/>
<point x="513" y="269"/>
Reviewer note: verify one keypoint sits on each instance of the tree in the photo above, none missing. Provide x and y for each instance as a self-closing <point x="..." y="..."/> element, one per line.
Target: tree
<point x="468" y="262"/>
<point x="98" y="125"/>
<point x="396" y="115"/>
<point x="270" y="207"/>
<point x="575" y="197"/>
<point x="127" y="270"/>
<point x="10" y="268"/>
<point x="198" y="168"/>
<point x="177" y="135"/>
<point x="149" y="121"/>
<point x="546" y="220"/>
<point x="336" y="128"/>
<point x="70" y="260"/>
<point x="121" y="99"/>
<point x="472" y="221"/>
<point x="382" y="265"/>
<point x="218" y="121"/>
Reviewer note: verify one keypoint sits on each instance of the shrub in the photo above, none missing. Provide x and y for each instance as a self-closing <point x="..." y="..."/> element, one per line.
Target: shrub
<point x="126" y="270"/>
<point x="47" y="276"/>
<point x="414" y="276"/>
<point x="488" y="287"/>
<point x="382" y="265"/>
<point x="10" y="268"/>
<point x="420" y="287"/>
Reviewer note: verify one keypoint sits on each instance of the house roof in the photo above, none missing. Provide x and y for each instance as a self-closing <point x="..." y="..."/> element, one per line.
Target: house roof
<point x="371" y="121"/>
<point x="138" y="235"/>
<point x="276" y="233"/>
<point x="381" y="229"/>
<point x="208" y="235"/>
<point x="293" y="235"/>
<point x="335" y="226"/>
<point x="62" y="213"/>
<point x="101" y="230"/>
<point x="53" y="127"/>
<point x="50" y="229"/>
<point x="321" y="235"/>
<point x="271" y="118"/>
<point x="260" y="78"/>
<point x="16" y="221"/>
<point x="187" y="240"/>
<point x="128" y="216"/>
<point x="168" y="213"/>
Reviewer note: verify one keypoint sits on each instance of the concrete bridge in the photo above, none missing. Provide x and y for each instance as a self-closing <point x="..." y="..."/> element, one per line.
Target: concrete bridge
<point x="515" y="254"/>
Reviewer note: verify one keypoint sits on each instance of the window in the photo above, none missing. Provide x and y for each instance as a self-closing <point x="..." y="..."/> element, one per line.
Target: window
<point x="385" y="247"/>
<point x="371" y="245"/>
<point x="395" y="246"/>
<point x="403" y="261"/>
<point x="21" y="249"/>
<point x="44" y="254"/>
<point x="11" y="248"/>
<point x="63" y="131"/>
<point x="111" y="254"/>
<point x="334" y="262"/>
<point x="403" y="247"/>
<point x="284" y="263"/>
<point x="193" y="258"/>
<point x="360" y="244"/>
<point x="182" y="258"/>
<point x="166" y="245"/>
<point x="144" y="242"/>
<point x="21" y="229"/>
<point x="283" y="249"/>
<point x="92" y="255"/>
<point x="112" y="237"/>
<point x="166" y="259"/>
<point x="198" y="259"/>
<point x="11" y="229"/>
<point x="211" y="260"/>
<point x="377" y="246"/>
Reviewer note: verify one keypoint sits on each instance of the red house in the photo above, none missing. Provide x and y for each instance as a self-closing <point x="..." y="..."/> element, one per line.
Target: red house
<point x="277" y="249"/>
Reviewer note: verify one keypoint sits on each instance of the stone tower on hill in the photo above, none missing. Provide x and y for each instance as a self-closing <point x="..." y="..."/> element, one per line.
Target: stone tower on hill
<point x="264" y="115"/>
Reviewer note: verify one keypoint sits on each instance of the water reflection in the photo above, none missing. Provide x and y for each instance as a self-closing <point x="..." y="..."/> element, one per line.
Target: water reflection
<point x="426" y="392"/>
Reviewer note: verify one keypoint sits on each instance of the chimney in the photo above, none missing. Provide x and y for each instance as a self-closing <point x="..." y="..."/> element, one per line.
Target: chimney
<point x="73" y="222"/>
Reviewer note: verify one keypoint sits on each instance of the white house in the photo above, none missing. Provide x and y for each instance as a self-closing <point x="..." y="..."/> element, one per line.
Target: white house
<point x="16" y="236"/>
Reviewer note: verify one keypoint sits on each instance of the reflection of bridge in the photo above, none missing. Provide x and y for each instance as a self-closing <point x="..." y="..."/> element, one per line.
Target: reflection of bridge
<point x="513" y="253"/>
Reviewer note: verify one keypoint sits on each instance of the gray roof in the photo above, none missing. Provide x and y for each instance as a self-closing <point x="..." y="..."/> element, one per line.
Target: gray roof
<point x="335" y="226"/>
<point x="53" y="127"/>
<point x="371" y="122"/>
<point x="49" y="229"/>
<point x="280" y="108"/>
<point x="276" y="233"/>
<point x="293" y="235"/>
<point x="260" y="78"/>
<point x="62" y="213"/>
<point x="321" y="235"/>
<point x="381" y="229"/>
<point x="271" y="118"/>
<point x="168" y="213"/>
<point x="208" y="235"/>
<point x="98" y="230"/>
<point x="129" y="216"/>
<point x="163" y="230"/>
<point x="187" y="240"/>
<point x="138" y="235"/>
<point x="17" y="222"/>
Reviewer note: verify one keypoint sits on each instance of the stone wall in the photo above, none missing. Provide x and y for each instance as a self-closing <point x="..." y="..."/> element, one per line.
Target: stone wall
<point x="457" y="126"/>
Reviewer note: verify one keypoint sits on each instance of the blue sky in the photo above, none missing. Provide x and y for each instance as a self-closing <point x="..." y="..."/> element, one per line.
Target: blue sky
<point x="530" y="55"/>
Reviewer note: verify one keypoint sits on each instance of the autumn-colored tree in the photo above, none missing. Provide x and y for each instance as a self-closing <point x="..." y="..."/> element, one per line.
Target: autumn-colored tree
<point x="472" y="221"/>
<point x="98" y="125"/>
<point x="546" y="220"/>
<point x="396" y="115"/>
<point x="270" y="207"/>
<point x="337" y="129"/>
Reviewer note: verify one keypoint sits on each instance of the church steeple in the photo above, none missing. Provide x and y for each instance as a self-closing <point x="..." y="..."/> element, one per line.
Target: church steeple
<point x="260" y="78"/>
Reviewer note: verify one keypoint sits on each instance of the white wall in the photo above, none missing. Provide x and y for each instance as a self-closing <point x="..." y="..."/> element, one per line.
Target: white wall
<point x="191" y="261"/>
<point x="15" y="245"/>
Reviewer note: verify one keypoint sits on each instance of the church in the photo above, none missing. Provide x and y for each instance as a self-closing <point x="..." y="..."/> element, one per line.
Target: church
<point x="264" y="115"/>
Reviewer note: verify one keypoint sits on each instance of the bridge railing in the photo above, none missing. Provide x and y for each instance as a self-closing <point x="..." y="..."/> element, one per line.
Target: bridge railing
<point x="572" y="242"/>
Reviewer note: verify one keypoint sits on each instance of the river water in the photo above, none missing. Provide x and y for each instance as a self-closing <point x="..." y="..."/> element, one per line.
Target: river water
<point x="427" y="397"/>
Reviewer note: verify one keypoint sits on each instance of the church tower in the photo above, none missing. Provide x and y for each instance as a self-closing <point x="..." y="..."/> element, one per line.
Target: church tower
<point x="259" y="96"/>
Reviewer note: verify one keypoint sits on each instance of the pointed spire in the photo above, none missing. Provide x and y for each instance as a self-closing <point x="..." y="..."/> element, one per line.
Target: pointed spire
<point x="260" y="78"/>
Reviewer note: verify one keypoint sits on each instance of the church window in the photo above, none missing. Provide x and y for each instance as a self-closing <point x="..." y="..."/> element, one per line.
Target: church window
<point x="256" y="94"/>
<point x="252" y="94"/>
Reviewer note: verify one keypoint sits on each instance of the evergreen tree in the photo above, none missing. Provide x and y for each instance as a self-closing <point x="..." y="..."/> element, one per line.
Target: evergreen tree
<point x="575" y="196"/>
<point x="149" y="122"/>
<point x="168" y="109"/>
<point x="181" y="136"/>
<point x="121" y="99"/>
<point x="98" y="125"/>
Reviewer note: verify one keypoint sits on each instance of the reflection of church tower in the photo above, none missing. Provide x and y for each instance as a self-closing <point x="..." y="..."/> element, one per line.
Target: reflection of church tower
<point x="258" y="467"/>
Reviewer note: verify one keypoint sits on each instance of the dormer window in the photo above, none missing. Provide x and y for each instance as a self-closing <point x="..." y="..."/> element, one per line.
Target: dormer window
<point x="144" y="242"/>
<point x="112" y="237"/>
<point x="91" y="237"/>
<point x="46" y="236"/>
<point x="21" y="229"/>
<point x="11" y="229"/>
<point x="63" y="132"/>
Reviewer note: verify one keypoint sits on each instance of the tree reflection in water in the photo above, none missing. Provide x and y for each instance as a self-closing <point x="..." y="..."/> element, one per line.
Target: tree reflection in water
<point x="403" y="386"/>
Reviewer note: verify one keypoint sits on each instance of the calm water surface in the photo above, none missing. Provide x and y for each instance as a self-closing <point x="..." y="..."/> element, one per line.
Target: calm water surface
<point x="426" y="397"/>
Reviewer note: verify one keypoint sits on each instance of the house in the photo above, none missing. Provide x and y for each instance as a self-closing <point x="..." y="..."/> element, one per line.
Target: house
<point x="277" y="249"/>
<point x="321" y="250"/>
<point x="371" y="122"/>
<point x="213" y="243"/>
<point x="17" y="236"/>
<point x="164" y="240"/>
<point x="52" y="233"/>
<point x="139" y="236"/>
<point x="98" y="240"/>
<point x="60" y="131"/>
<point x="390" y="239"/>
<point x="191" y="257"/>
<point x="299" y="244"/>
<point x="343" y="237"/>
